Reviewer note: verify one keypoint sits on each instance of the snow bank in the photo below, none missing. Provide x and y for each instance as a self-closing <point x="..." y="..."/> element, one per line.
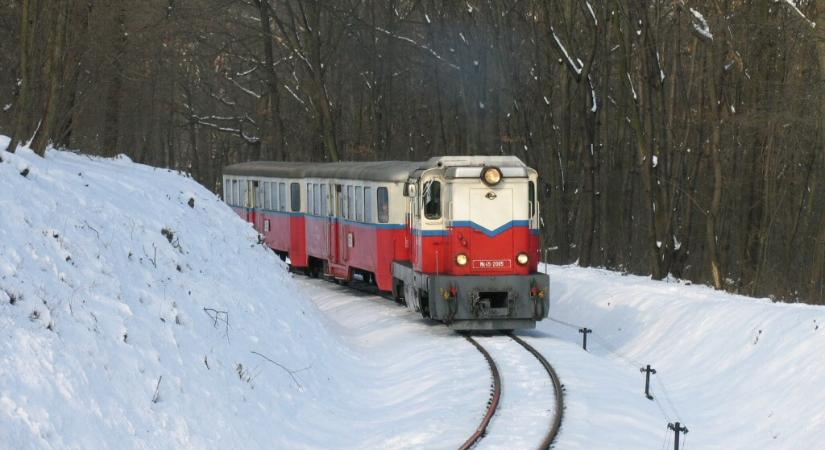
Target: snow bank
<point x="137" y="311"/>
<point x="739" y="372"/>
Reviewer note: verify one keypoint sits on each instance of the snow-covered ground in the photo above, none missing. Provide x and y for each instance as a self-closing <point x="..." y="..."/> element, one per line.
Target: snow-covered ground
<point x="137" y="311"/>
<point x="740" y="373"/>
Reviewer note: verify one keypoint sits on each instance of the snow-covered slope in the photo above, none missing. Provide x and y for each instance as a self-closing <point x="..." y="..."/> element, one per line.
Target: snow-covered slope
<point x="131" y="302"/>
<point x="740" y="373"/>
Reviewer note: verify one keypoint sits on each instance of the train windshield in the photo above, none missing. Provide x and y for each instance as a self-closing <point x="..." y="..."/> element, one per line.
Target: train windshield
<point x="432" y="200"/>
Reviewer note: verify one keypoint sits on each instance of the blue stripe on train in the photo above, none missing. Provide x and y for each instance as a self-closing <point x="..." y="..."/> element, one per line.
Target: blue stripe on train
<point x="488" y="232"/>
<point x="396" y="226"/>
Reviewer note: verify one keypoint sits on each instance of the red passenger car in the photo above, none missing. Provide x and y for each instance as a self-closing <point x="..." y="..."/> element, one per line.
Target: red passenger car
<point x="456" y="238"/>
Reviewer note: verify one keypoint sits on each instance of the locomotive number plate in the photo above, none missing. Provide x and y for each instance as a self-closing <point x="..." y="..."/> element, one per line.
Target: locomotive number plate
<point x="492" y="263"/>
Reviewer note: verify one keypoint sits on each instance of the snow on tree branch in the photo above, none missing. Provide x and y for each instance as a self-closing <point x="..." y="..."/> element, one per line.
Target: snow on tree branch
<point x="572" y="65"/>
<point x="700" y="25"/>
<point x="421" y="46"/>
<point x="796" y="9"/>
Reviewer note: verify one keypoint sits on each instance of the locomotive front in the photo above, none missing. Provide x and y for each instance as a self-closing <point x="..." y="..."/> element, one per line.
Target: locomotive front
<point x="474" y="250"/>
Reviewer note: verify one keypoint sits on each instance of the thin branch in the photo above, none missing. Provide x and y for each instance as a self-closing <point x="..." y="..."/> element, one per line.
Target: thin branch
<point x="291" y="372"/>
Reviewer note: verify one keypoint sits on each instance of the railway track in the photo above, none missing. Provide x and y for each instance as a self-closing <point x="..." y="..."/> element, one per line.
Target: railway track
<point x="496" y="392"/>
<point x="496" y="388"/>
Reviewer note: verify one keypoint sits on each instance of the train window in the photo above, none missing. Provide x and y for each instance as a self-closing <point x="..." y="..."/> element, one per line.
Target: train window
<point x="273" y="196"/>
<point x="236" y="192"/>
<point x="367" y="205"/>
<point x="310" y="198"/>
<point x="226" y="190"/>
<point x="350" y="203"/>
<point x="342" y="195"/>
<point x="531" y="198"/>
<point x="318" y="200"/>
<point x="359" y="203"/>
<point x="339" y="200"/>
<point x="324" y="199"/>
<point x="243" y="200"/>
<point x="432" y="200"/>
<point x="282" y="196"/>
<point x="253" y="194"/>
<point x="295" y="197"/>
<point x="383" y="205"/>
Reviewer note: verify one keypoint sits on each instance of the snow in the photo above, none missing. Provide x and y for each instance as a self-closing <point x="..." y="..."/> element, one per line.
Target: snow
<point x="701" y="25"/>
<point x="796" y="9"/>
<point x="592" y="14"/>
<point x="739" y="372"/>
<point x="119" y="337"/>
<point x="576" y="67"/>
<point x="632" y="88"/>
<point x="118" y="334"/>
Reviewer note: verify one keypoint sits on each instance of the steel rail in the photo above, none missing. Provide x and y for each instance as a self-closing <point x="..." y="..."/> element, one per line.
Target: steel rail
<point x="557" y="388"/>
<point x="495" y="394"/>
<point x="492" y="404"/>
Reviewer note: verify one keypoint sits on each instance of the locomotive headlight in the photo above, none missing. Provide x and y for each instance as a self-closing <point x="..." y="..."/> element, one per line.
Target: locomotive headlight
<point x="522" y="259"/>
<point x="491" y="176"/>
<point x="461" y="259"/>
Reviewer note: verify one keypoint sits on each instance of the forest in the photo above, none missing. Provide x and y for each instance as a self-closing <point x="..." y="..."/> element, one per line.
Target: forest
<point x="673" y="137"/>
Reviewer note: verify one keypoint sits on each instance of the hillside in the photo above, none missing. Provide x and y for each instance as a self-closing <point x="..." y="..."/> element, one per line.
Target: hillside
<point x="137" y="311"/>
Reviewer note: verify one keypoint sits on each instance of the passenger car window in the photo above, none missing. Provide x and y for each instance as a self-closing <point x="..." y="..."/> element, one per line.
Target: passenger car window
<point x="350" y="203"/>
<point x="253" y="194"/>
<point x="310" y="198"/>
<point x="295" y="196"/>
<point x="324" y="199"/>
<point x="432" y="200"/>
<point x="367" y="205"/>
<point x="359" y="203"/>
<point x="282" y="196"/>
<point x="243" y="200"/>
<point x="235" y="192"/>
<point x="273" y="196"/>
<point x="342" y="195"/>
<point x="383" y="205"/>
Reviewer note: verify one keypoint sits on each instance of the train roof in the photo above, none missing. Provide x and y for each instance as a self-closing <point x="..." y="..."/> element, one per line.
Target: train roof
<point x="393" y="171"/>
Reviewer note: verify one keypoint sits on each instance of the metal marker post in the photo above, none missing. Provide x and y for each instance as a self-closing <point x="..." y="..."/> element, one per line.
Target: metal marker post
<point x="647" y="371"/>
<point x="584" y="332"/>
<point x="677" y="428"/>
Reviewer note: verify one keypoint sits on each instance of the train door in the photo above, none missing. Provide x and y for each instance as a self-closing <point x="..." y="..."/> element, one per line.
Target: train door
<point x="322" y="199"/>
<point x="337" y="224"/>
<point x="344" y="236"/>
<point x="414" y="222"/>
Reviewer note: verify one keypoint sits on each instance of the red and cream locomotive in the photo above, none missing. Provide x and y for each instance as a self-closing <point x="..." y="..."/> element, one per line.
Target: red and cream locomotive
<point x="456" y="237"/>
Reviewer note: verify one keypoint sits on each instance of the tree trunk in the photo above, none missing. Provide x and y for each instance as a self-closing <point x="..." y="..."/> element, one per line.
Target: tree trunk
<point x="25" y="106"/>
<point x="274" y="138"/>
<point x="711" y="233"/>
<point x="111" y="124"/>
<point x="54" y="75"/>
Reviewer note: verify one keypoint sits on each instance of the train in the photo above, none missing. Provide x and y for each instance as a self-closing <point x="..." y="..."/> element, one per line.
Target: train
<point x="454" y="238"/>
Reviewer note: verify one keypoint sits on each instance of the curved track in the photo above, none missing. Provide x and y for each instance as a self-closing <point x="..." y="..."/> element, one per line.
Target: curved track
<point x="492" y="405"/>
<point x="495" y="396"/>
<point x="557" y="389"/>
<point x="495" y="392"/>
